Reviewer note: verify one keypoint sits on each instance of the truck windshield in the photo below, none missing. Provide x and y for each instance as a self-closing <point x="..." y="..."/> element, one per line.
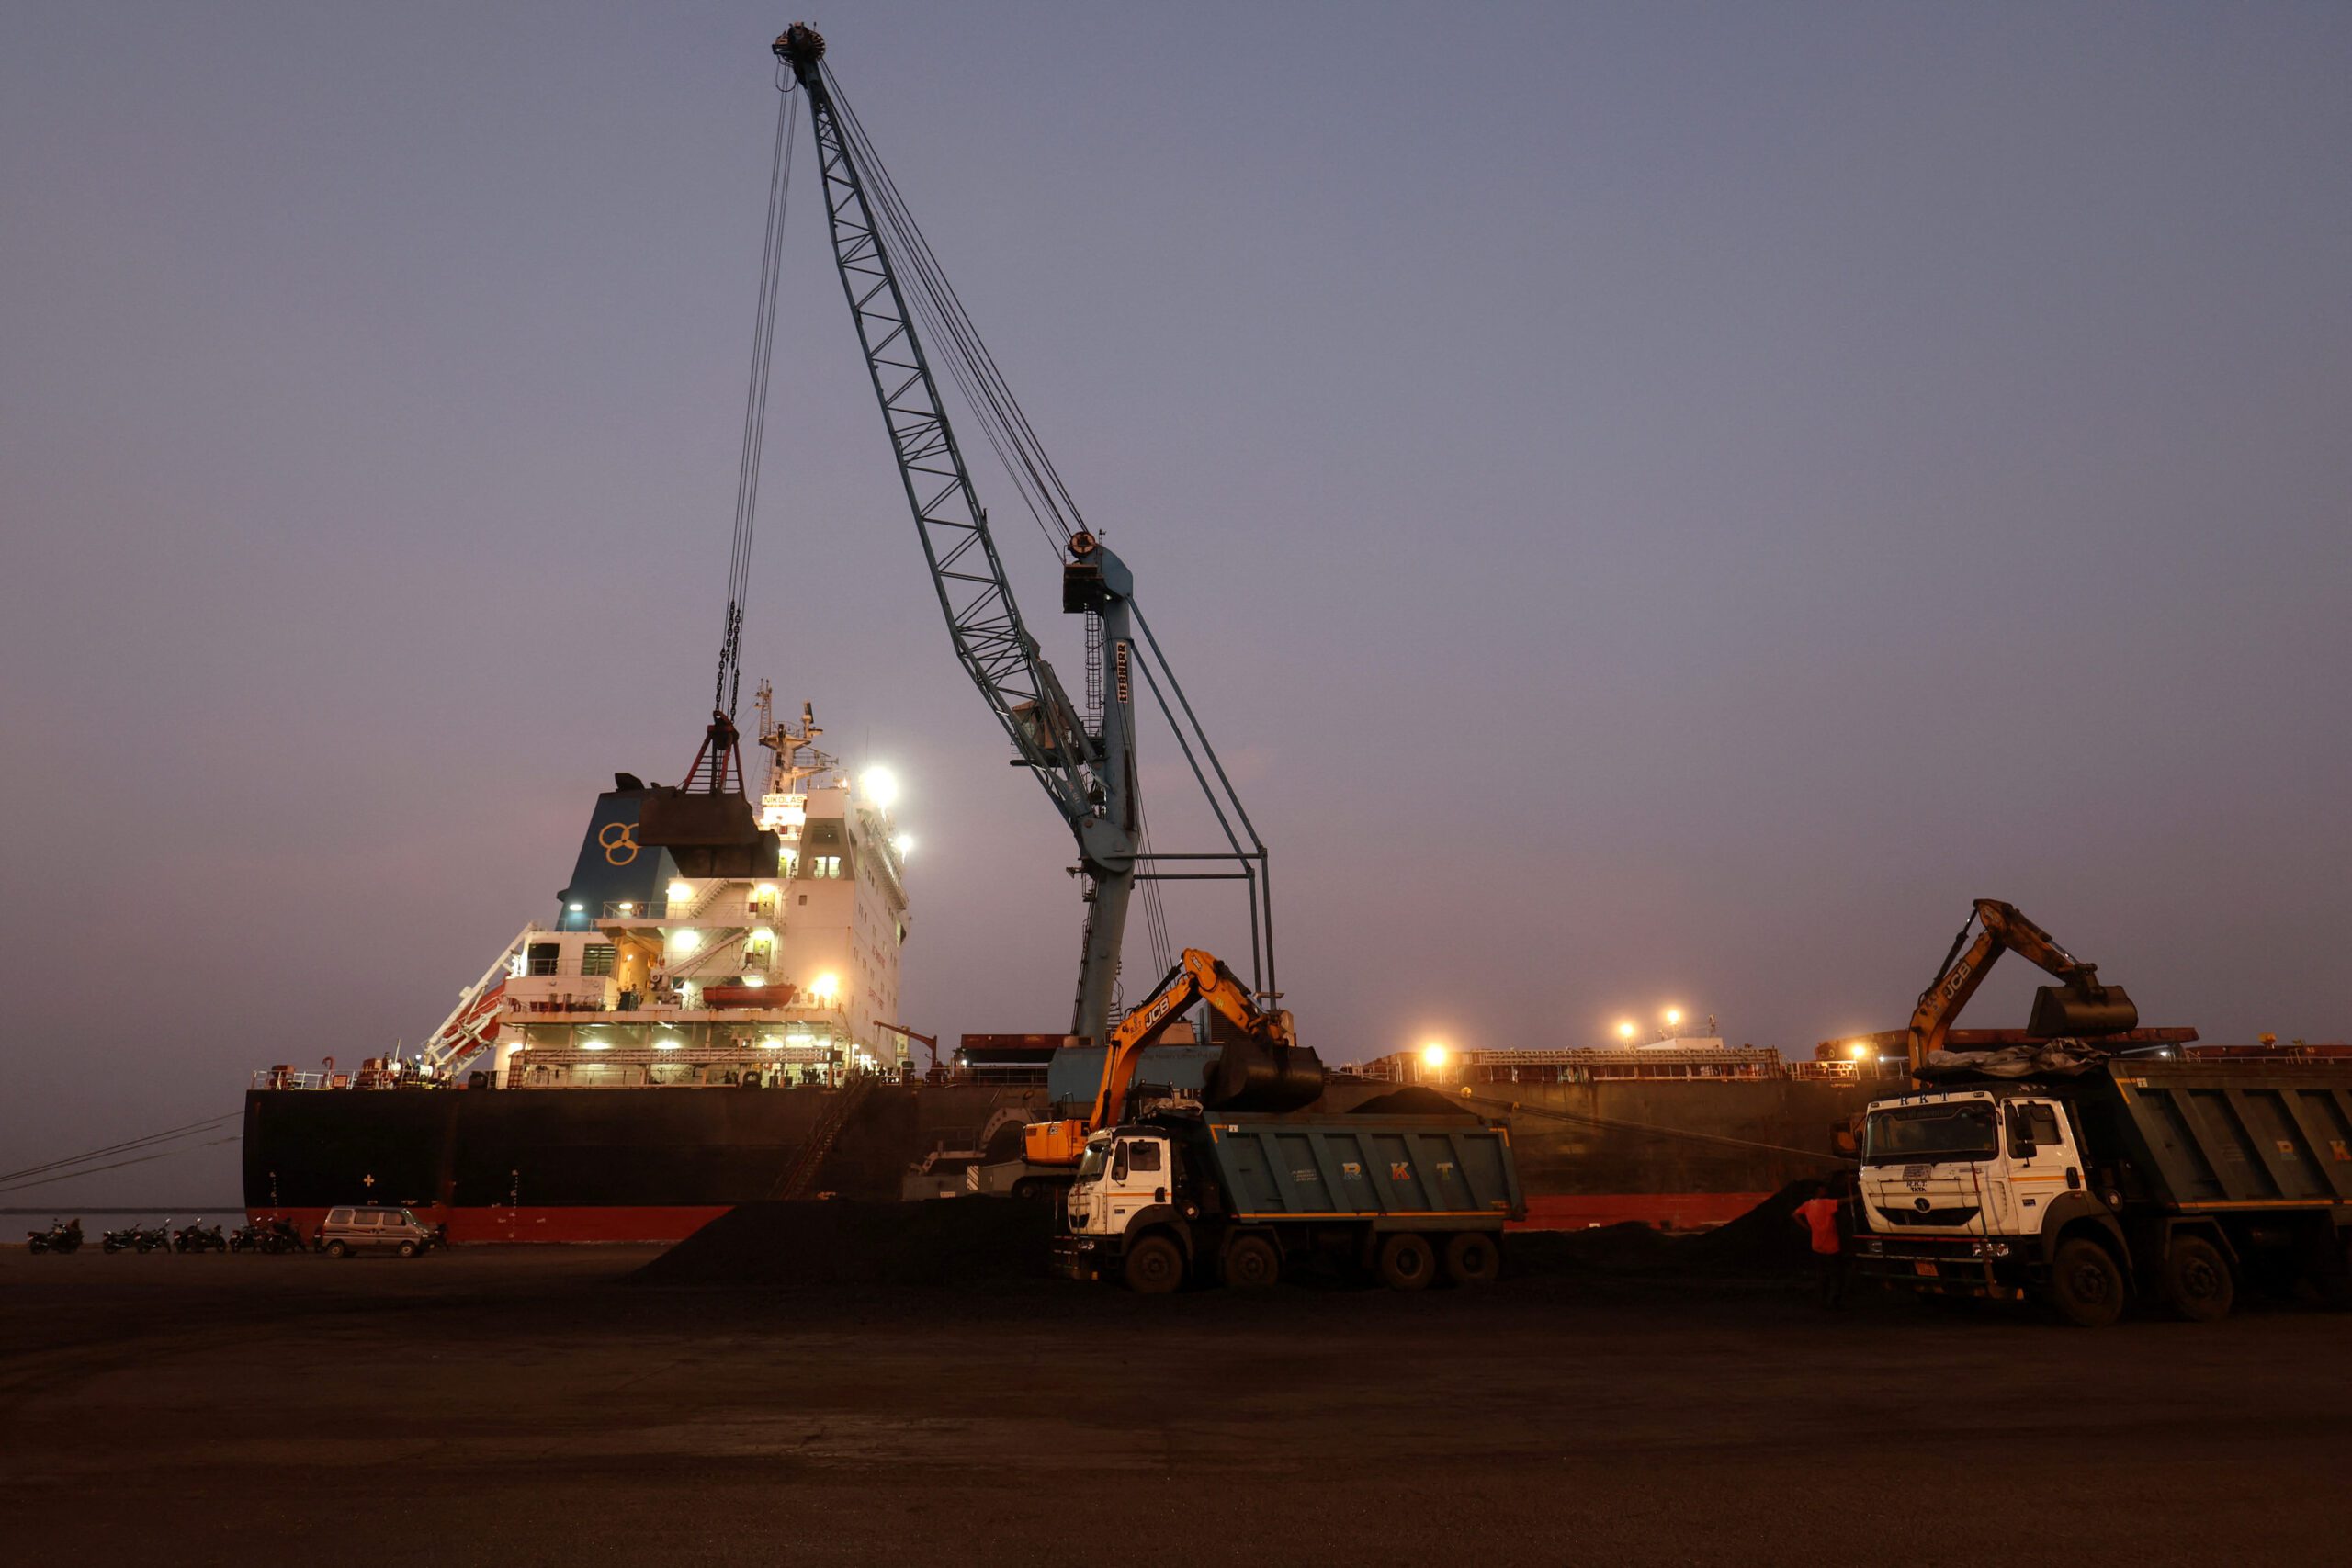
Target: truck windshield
<point x="1090" y="1164"/>
<point x="1931" y="1132"/>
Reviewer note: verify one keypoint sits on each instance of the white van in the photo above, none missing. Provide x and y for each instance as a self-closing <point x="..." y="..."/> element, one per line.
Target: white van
<point x="352" y="1230"/>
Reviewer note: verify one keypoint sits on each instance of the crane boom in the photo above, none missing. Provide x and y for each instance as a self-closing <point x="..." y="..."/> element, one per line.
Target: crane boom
<point x="1090" y="777"/>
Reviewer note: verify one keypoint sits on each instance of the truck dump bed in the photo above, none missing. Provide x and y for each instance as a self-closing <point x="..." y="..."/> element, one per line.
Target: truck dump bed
<point x="1407" y="1168"/>
<point x="2235" y="1136"/>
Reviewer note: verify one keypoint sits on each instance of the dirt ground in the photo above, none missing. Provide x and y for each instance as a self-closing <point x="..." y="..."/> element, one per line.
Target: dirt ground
<point x="526" y="1407"/>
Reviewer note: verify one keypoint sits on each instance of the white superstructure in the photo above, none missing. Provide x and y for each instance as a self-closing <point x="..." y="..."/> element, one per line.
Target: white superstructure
<point x="719" y="980"/>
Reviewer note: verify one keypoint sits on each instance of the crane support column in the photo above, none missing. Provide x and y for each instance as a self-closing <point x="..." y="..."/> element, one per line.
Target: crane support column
<point x="1098" y="583"/>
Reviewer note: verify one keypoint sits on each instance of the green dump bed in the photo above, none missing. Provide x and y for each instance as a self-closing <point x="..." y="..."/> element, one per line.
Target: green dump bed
<point x="2216" y="1136"/>
<point x="1409" y="1172"/>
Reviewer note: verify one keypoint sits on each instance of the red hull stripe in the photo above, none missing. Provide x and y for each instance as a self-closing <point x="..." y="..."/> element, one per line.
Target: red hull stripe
<point x="1667" y="1210"/>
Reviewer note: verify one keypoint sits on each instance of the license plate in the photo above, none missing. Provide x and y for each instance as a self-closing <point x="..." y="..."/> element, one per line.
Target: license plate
<point x="1924" y="1270"/>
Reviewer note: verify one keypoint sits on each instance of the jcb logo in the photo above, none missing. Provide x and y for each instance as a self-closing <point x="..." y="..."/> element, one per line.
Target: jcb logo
<point x="619" y="839"/>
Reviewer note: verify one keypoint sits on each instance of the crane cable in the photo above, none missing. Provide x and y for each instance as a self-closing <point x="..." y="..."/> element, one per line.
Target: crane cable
<point x="755" y="403"/>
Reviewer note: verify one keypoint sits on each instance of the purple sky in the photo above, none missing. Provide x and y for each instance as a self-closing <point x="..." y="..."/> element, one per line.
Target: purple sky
<point x="1660" y="504"/>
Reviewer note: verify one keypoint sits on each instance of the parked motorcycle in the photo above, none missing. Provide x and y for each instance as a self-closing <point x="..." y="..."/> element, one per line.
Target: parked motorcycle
<point x="199" y="1237"/>
<point x="158" y="1239"/>
<point x="123" y="1240"/>
<point x="65" y="1237"/>
<point x="266" y="1236"/>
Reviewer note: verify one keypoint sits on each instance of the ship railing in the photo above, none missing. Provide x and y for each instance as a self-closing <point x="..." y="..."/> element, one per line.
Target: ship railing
<point x="644" y="909"/>
<point x="1849" y="1072"/>
<point x="270" y="1078"/>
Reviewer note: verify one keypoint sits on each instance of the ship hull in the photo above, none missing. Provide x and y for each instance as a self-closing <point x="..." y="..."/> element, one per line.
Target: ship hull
<point x="657" y="1164"/>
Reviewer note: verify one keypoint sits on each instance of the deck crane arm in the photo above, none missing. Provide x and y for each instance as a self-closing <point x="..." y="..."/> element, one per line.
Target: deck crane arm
<point x="2079" y="1004"/>
<point x="1200" y="978"/>
<point x="1090" y="777"/>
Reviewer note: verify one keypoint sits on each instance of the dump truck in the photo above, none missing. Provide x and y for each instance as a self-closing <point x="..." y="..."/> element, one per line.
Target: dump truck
<point x="1230" y="1198"/>
<point x="2088" y="1181"/>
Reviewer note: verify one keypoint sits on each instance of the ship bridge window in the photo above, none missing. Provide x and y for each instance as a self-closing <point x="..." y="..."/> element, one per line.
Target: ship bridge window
<point x="543" y="957"/>
<point x="596" y="958"/>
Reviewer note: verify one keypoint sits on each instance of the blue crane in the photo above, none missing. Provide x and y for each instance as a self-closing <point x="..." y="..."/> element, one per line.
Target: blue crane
<point x="1085" y="760"/>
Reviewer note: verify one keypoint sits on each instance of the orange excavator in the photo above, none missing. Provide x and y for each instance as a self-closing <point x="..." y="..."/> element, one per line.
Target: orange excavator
<point x="1262" y="1065"/>
<point x="2079" y="1005"/>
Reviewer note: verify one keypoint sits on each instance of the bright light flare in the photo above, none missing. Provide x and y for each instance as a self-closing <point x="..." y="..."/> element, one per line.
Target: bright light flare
<point x="881" y="786"/>
<point x="1435" y="1055"/>
<point x="1627" y="1029"/>
<point x="905" y="844"/>
<point x="825" y="988"/>
<point x="1673" y="1017"/>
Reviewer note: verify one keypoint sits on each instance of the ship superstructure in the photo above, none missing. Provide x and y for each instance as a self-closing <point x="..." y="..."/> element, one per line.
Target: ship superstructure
<point x="649" y="976"/>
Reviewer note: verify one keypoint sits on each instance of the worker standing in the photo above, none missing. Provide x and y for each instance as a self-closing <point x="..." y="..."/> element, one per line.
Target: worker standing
<point x="1827" y="1222"/>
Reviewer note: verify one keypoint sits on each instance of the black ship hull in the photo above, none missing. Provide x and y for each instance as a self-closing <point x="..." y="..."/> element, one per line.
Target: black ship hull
<point x="657" y="1164"/>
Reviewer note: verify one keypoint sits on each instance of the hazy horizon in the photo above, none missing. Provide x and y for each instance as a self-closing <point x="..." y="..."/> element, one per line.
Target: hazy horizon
<point x="1656" y="504"/>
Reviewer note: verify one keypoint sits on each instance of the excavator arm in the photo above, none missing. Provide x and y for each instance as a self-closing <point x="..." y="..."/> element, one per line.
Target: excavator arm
<point x="1199" y="977"/>
<point x="2078" y="1004"/>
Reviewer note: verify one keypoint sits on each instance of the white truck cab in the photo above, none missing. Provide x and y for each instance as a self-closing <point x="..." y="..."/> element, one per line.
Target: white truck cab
<point x="1123" y="1172"/>
<point x="1967" y="1163"/>
<point x="1985" y="1191"/>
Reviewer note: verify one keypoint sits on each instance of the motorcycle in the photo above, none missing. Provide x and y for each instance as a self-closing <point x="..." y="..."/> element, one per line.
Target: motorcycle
<point x="158" y="1239"/>
<point x="59" y="1238"/>
<point x="266" y="1236"/>
<point x="124" y="1240"/>
<point x="199" y="1237"/>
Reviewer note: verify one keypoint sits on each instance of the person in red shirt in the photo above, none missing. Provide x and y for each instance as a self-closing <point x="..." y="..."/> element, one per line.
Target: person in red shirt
<point x="1826" y="1219"/>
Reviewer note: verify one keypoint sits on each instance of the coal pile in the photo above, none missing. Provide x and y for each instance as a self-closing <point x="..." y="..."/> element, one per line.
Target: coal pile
<point x="1765" y="1240"/>
<point x="1411" y="1100"/>
<point x="828" y="1244"/>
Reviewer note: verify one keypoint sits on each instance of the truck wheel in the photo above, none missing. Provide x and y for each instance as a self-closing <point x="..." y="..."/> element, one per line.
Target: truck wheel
<point x="2196" y="1279"/>
<point x="2085" y="1285"/>
<point x="2335" y="1273"/>
<point x="1472" y="1258"/>
<point x="408" y="1250"/>
<point x="1154" y="1267"/>
<point x="1252" y="1263"/>
<point x="1027" y="1190"/>
<point x="1406" y="1262"/>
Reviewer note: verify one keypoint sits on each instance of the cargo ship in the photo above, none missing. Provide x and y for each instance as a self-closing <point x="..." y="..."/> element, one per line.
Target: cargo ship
<point x="683" y="1035"/>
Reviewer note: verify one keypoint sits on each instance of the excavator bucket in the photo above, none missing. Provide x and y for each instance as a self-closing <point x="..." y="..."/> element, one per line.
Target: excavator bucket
<point x="2072" y="1012"/>
<point x="1252" y="1076"/>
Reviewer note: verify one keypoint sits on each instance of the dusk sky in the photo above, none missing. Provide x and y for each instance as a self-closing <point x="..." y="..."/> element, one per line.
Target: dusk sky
<point x="1658" y="503"/>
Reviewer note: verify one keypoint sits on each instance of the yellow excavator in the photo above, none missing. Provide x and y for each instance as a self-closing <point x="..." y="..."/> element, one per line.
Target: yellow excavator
<point x="1265" y="1064"/>
<point x="2079" y="1005"/>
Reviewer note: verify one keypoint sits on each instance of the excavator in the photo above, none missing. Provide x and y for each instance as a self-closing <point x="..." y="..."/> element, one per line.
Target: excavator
<point x="2079" y="1005"/>
<point x="1263" y="1067"/>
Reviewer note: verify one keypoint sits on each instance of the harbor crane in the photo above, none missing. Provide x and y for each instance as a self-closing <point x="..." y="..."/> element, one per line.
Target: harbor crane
<point x="1084" y="760"/>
